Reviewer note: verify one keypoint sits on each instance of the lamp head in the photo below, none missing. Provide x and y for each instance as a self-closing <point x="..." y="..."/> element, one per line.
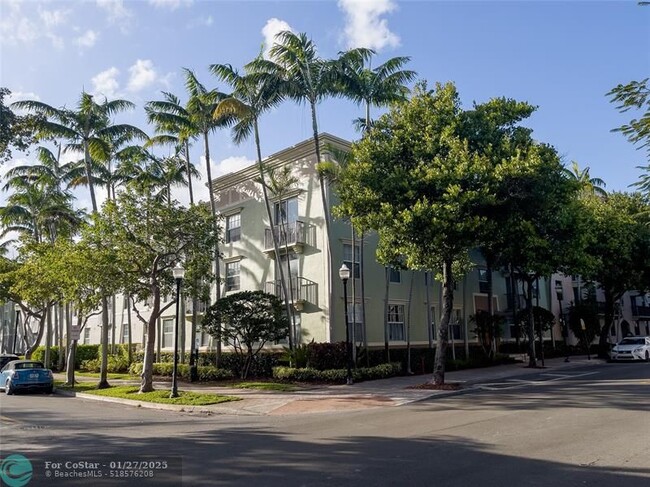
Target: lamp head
<point x="178" y="271"/>
<point x="344" y="273"/>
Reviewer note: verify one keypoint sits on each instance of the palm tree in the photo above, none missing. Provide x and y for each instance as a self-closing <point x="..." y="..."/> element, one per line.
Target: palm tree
<point x="281" y="181"/>
<point x="173" y="127"/>
<point x="254" y="93"/>
<point x="86" y="130"/>
<point x="307" y="79"/>
<point x="587" y="184"/>
<point x="369" y="87"/>
<point x="201" y="107"/>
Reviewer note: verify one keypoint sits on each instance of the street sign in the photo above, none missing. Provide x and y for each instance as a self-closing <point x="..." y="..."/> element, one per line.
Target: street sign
<point x="75" y="332"/>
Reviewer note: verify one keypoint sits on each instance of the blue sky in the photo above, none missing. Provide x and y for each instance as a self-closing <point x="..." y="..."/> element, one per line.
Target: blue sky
<point x="561" y="56"/>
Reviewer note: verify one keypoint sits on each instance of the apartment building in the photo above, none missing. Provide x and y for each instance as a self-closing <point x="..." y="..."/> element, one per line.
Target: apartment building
<point x="311" y="258"/>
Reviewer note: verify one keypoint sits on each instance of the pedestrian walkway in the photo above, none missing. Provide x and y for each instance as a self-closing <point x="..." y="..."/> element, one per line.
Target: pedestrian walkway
<point x="391" y="392"/>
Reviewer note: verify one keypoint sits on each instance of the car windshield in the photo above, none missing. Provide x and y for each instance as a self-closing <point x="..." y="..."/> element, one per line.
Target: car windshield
<point x="29" y="365"/>
<point x="633" y="341"/>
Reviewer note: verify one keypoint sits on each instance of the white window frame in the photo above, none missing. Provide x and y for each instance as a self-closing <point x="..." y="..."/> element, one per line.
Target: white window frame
<point x="233" y="273"/>
<point x="347" y="259"/>
<point x="231" y="235"/>
<point x="167" y="334"/>
<point x="396" y="321"/>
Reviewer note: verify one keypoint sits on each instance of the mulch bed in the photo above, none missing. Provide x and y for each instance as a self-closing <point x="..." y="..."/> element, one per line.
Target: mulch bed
<point x="450" y="386"/>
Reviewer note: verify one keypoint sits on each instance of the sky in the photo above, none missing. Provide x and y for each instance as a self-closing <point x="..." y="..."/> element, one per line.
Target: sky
<point x="562" y="57"/>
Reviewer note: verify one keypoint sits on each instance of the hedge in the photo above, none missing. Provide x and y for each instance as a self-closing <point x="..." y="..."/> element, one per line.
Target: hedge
<point x="336" y="376"/>
<point x="206" y="373"/>
<point x="84" y="352"/>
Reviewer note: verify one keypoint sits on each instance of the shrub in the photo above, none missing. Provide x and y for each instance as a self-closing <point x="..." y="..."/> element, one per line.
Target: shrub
<point x="165" y="369"/>
<point x="327" y="356"/>
<point x="336" y="376"/>
<point x="39" y="355"/>
<point x="116" y="364"/>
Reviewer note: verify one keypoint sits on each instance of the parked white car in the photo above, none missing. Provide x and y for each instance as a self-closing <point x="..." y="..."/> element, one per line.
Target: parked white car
<point x="631" y="348"/>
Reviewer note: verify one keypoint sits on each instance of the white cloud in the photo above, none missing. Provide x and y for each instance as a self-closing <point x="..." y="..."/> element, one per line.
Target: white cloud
<point x="117" y="13"/>
<point x="170" y="4"/>
<point x="141" y="75"/>
<point x="21" y="95"/>
<point x="87" y="39"/>
<point x="270" y="30"/>
<point x="106" y="84"/>
<point x="364" y="26"/>
<point x="53" y="18"/>
<point x="201" y="22"/>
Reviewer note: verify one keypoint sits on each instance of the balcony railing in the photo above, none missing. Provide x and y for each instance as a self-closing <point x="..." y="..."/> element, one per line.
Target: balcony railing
<point x="303" y="290"/>
<point x="291" y="234"/>
<point x="201" y="307"/>
<point x="640" y="311"/>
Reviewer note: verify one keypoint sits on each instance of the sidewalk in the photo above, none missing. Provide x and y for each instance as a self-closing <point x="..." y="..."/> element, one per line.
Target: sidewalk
<point x="395" y="391"/>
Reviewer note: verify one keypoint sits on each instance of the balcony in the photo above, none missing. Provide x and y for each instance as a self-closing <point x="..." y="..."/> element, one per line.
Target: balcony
<point x="640" y="311"/>
<point x="293" y="235"/>
<point x="201" y="307"/>
<point x="304" y="291"/>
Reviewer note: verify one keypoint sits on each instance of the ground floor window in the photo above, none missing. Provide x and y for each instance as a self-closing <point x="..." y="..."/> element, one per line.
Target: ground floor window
<point x="86" y="336"/>
<point x="396" y="322"/>
<point x="168" y="333"/>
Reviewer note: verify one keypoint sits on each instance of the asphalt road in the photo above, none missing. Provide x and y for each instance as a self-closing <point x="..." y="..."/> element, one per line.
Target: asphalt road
<point x="584" y="426"/>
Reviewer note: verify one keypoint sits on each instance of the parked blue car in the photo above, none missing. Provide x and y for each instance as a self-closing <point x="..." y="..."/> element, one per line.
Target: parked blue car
<point x="26" y="375"/>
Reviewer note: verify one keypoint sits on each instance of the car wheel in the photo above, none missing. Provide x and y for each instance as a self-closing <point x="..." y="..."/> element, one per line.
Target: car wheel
<point x="48" y="390"/>
<point x="8" y="389"/>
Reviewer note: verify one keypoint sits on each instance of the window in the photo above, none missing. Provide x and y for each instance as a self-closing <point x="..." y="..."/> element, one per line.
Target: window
<point x="396" y="322"/>
<point x="483" y="281"/>
<point x="232" y="276"/>
<point x="355" y="317"/>
<point x="168" y="333"/>
<point x="205" y="339"/>
<point x="455" y="325"/>
<point x="347" y="259"/>
<point x="394" y="275"/>
<point x="86" y="336"/>
<point x="286" y="211"/>
<point x="233" y="228"/>
<point x="125" y="333"/>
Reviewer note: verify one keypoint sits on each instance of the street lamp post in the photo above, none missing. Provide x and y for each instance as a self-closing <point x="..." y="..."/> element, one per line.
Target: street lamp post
<point x="344" y="274"/>
<point x="565" y="328"/>
<point x="179" y="274"/>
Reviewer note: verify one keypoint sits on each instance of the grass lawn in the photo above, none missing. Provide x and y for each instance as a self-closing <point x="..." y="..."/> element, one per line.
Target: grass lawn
<point x="266" y="386"/>
<point x="162" y="396"/>
<point x="78" y="387"/>
<point x="95" y="375"/>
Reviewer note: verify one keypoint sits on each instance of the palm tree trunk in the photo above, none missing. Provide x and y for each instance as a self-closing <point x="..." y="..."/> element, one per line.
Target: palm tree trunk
<point x="274" y="237"/>
<point x="188" y="169"/>
<point x="363" y="298"/>
<point x="48" y="338"/>
<point x="129" y="327"/>
<point x="354" y="297"/>
<point x="386" y="334"/>
<point x="217" y="252"/>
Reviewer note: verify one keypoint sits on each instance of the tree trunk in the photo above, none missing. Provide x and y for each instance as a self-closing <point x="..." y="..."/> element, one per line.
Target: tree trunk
<point x="532" y="358"/>
<point x="603" y="340"/>
<point x="490" y="293"/>
<point x="48" y="338"/>
<point x="386" y="334"/>
<point x="363" y="297"/>
<point x="130" y="328"/>
<point x="188" y="169"/>
<point x="274" y="237"/>
<point x="146" y="378"/>
<point x="72" y="353"/>
<point x="408" y="326"/>
<point x="443" y="329"/>
<point x="217" y="252"/>
<point x="39" y="336"/>
<point x="103" y="372"/>
<point x="62" y="347"/>
<point x="427" y="278"/>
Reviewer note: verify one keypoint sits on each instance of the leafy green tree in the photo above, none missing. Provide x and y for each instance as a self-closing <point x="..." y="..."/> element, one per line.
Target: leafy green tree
<point x="86" y="130"/>
<point x="16" y="131"/>
<point x="247" y="320"/>
<point x="544" y="231"/>
<point x="415" y="179"/>
<point x="619" y="246"/>
<point x="146" y="239"/>
<point x="586" y="313"/>
<point x="255" y="92"/>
